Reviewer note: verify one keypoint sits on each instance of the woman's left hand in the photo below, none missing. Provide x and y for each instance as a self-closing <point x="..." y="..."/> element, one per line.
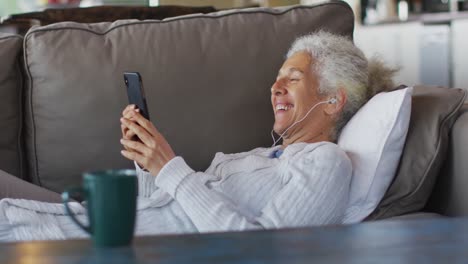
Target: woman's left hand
<point x="153" y="152"/>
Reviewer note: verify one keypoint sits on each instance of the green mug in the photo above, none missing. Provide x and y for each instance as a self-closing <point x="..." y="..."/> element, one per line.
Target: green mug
<point x="111" y="198"/>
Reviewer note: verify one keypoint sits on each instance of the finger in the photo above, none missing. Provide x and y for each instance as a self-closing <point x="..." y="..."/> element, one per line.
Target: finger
<point x="145" y="123"/>
<point x="129" y="134"/>
<point x="137" y="157"/>
<point x="136" y="146"/>
<point x="139" y="131"/>
<point x="129" y="114"/>
<point x="128" y="109"/>
<point x="124" y="129"/>
<point x="126" y="133"/>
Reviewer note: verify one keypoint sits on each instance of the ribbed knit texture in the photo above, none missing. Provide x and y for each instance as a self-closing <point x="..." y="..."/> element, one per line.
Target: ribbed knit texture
<point x="307" y="185"/>
<point x="176" y="170"/>
<point x="146" y="185"/>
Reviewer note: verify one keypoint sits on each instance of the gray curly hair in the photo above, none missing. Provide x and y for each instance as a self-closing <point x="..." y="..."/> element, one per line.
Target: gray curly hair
<point x="338" y="63"/>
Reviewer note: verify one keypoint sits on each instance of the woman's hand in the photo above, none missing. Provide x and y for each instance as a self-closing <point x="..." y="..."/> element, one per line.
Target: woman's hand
<point x="153" y="152"/>
<point x="127" y="133"/>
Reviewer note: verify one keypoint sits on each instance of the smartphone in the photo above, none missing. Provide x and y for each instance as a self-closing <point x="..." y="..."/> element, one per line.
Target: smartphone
<point x="135" y="92"/>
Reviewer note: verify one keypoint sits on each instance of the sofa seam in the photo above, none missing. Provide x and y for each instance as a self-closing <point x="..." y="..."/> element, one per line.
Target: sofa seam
<point x="12" y="37"/>
<point x="19" y="139"/>
<point x="31" y="111"/>
<point x="338" y="3"/>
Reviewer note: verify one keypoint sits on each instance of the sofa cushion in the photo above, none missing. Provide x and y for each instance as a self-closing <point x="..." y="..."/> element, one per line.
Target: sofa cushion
<point x="10" y="106"/>
<point x="207" y="80"/>
<point x="450" y="196"/>
<point x="434" y="110"/>
<point x="414" y="216"/>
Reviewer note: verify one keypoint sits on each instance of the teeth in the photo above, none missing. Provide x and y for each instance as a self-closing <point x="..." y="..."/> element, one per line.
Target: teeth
<point x="283" y="107"/>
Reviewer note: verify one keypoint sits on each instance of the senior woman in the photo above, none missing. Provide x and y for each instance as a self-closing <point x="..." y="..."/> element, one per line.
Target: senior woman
<point x="302" y="182"/>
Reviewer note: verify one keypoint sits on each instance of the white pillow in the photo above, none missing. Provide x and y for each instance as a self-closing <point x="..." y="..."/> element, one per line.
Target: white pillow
<point x="374" y="140"/>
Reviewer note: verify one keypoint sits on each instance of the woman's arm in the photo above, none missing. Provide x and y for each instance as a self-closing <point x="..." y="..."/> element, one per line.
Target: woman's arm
<point x="316" y="193"/>
<point x="146" y="186"/>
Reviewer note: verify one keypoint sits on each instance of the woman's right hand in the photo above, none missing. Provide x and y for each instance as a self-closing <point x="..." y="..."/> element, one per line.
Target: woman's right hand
<point x="151" y="152"/>
<point x="126" y="132"/>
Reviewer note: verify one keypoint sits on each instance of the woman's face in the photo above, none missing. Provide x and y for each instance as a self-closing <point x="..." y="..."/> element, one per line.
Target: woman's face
<point x="294" y="93"/>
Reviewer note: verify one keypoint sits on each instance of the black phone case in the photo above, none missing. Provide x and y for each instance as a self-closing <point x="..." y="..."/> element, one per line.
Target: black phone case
<point x="136" y="93"/>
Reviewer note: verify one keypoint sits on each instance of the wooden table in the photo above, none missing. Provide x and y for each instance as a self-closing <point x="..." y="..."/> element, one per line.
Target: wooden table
<point x="411" y="241"/>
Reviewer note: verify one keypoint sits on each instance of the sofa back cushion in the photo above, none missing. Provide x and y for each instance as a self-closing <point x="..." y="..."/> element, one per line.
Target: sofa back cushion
<point x="434" y="110"/>
<point x="449" y="196"/>
<point x="10" y="104"/>
<point x="207" y="80"/>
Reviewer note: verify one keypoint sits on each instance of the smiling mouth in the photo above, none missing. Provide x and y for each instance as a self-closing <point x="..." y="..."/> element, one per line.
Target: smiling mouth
<point x="283" y="107"/>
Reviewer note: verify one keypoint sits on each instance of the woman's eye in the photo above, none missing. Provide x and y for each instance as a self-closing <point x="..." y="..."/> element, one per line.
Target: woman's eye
<point x="293" y="80"/>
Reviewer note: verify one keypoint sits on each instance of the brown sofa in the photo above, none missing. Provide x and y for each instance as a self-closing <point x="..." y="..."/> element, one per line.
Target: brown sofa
<point x="207" y="79"/>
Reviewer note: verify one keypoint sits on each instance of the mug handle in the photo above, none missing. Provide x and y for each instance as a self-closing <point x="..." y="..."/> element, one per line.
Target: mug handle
<point x="66" y="199"/>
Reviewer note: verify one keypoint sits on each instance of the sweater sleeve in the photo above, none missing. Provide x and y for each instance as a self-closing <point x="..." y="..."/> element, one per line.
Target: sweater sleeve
<point x="315" y="192"/>
<point x="146" y="184"/>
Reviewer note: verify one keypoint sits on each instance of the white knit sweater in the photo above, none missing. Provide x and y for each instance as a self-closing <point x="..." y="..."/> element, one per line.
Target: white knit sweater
<point x="307" y="185"/>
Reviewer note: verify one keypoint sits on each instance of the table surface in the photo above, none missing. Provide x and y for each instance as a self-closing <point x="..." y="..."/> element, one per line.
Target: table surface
<point x="410" y="241"/>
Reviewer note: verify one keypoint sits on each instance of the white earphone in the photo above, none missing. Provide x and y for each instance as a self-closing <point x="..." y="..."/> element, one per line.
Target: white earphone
<point x="329" y="101"/>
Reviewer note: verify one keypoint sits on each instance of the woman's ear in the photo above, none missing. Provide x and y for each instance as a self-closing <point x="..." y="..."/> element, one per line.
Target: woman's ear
<point x="336" y="106"/>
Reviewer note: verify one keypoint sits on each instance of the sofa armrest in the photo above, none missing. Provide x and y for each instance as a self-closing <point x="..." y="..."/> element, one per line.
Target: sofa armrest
<point x="450" y="194"/>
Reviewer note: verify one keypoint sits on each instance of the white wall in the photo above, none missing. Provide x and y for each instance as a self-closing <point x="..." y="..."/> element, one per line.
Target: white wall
<point x="397" y="44"/>
<point x="460" y="53"/>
